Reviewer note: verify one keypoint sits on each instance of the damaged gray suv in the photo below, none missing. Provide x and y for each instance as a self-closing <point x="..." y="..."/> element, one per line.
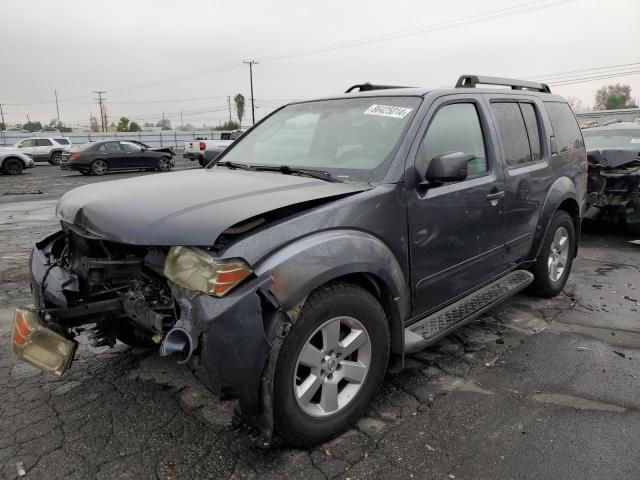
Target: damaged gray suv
<point x="334" y="234"/>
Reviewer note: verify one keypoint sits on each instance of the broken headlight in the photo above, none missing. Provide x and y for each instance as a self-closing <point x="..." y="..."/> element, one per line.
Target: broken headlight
<point x="194" y="269"/>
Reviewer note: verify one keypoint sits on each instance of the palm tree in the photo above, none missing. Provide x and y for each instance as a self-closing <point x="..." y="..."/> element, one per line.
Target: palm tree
<point x="239" y="100"/>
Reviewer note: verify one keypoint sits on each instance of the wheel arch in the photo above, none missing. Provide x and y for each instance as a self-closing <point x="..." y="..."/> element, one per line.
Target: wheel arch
<point x="561" y="196"/>
<point x="340" y="255"/>
<point x="12" y="157"/>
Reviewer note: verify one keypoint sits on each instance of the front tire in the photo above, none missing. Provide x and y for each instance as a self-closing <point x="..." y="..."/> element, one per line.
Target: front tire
<point x="55" y="158"/>
<point x="331" y="364"/>
<point x="164" y="164"/>
<point x="553" y="265"/>
<point x="99" y="167"/>
<point x="12" y="166"/>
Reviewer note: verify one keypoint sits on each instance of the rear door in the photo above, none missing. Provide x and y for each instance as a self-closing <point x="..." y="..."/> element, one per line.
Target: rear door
<point x="42" y="148"/>
<point x="455" y="229"/>
<point x="114" y="155"/>
<point x="526" y="156"/>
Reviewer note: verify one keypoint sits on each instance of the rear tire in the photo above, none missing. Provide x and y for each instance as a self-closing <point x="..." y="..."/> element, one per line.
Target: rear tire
<point x="320" y="393"/>
<point x="12" y="166"/>
<point x="553" y="266"/>
<point x="203" y="162"/>
<point x="55" y="158"/>
<point x="99" y="167"/>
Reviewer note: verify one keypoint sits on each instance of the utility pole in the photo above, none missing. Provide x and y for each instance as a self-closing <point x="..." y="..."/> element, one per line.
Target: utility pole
<point x="100" y="102"/>
<point x="181" y="123"/>
<point x="251" y="63"/>
<point x="229" y="103"/>
<point x="4" y="125"/>
<point x="57" y="108"/>
<point x="28" y="119"/>
<point x="162" y="121"/>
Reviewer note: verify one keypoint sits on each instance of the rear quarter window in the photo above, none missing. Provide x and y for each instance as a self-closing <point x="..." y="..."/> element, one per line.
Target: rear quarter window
<point x="62" y="141"/>
<point x="565" y="127"/>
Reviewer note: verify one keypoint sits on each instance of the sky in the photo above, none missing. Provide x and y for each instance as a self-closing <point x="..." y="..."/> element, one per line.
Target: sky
<point x="186" y="56"/>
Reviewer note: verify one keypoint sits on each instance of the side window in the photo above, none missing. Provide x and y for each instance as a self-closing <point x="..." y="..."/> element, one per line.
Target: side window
<point x="512" y="133"/>
<point x="43" y="142"/>
<point x="102" y="148"/>
<point x="565" y="126"/>
<point x="62" y="141"/>
<point x="531" y="121"/>
<point x="113" y="147"/>
<point x="130" y="147"/>
<point x="454" y="128"/>
<point x="26" y="143"/>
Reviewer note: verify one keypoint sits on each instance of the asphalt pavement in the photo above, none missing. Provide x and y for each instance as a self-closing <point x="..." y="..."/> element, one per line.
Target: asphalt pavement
<point x="534" y="389"/>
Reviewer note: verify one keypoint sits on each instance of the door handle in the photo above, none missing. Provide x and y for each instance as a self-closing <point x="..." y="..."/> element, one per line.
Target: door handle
<point x="495" y="196"/>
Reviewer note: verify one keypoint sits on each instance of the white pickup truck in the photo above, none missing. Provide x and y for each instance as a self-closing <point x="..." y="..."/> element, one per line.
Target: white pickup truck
<point x="204" y="151"/>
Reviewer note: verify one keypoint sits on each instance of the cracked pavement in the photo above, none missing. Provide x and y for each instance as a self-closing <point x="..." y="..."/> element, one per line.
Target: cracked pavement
<point x="534" y="389"/>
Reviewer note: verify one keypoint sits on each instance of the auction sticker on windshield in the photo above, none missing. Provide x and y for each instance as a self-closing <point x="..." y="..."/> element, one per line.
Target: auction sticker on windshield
<point x="387" y="111"/>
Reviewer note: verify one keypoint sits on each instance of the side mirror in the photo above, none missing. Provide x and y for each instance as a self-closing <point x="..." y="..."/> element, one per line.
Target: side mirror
<point x="143" y="149"/>
<point x="448" y="167"/>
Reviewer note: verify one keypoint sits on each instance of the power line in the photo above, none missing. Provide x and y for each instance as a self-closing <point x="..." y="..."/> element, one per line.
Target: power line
<point x="584" y="79"/>
<point x="558" y="75"/>
<point x="457" y="22"/>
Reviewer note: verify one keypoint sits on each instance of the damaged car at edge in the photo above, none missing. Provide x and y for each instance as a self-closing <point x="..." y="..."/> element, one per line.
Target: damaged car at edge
<point x="613" y="152"/>
<point x="334" y="234"/>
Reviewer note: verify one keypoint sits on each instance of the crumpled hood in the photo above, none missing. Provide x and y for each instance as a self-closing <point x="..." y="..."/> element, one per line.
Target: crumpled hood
<point x="186" y="208"/>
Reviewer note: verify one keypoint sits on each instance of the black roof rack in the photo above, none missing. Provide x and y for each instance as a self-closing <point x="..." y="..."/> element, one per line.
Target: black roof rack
<point x="365" y="87"/>
<point x="470" y="81"/>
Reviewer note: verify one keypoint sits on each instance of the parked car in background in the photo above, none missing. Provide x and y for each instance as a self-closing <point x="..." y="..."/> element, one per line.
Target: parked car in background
<point x="13" y="161"/>
<point x="613" y="151"/>
<point x="99" y="158"/>
<point x="44" y="149"/>
<point x="334" y="233"/>
<point x="204" y="151"/>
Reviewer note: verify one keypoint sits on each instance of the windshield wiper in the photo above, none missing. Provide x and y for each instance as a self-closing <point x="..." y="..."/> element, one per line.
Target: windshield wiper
<point x="234" y="165"/>
<point x="306" y="172"/>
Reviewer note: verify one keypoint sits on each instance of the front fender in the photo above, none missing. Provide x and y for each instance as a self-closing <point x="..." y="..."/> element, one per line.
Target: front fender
<point x="561" y="190"/>
<point x="309" y="262"/>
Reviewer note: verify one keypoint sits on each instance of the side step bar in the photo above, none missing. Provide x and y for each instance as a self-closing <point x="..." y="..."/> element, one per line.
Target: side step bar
<point x="437" y="325"/>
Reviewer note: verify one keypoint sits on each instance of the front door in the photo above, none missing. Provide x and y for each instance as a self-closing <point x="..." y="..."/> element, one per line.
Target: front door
<point x="28" y="147"/>
<point x="133" y="155"/>
<point x="455" y="229"/>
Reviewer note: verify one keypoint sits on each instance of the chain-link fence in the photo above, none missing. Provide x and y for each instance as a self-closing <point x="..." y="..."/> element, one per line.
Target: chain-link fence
<point x="165" y="138"/>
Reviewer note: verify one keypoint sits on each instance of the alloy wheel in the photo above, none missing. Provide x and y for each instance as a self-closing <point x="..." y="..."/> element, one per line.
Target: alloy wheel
<point x="332" y="366"/>
<point x="99" y="167"/>
<point x="559" y="254"/>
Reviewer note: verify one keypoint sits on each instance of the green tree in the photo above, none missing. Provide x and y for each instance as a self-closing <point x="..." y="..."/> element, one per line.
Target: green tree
<point x="134" y="127"/>
<point x="164" y="123"/>
<point x="614" y="97"/>
<point x="123" y="125"/>
<point x="239" y="101"/>
<point x="228" y="125"/>
<point x="32" y="126"/>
